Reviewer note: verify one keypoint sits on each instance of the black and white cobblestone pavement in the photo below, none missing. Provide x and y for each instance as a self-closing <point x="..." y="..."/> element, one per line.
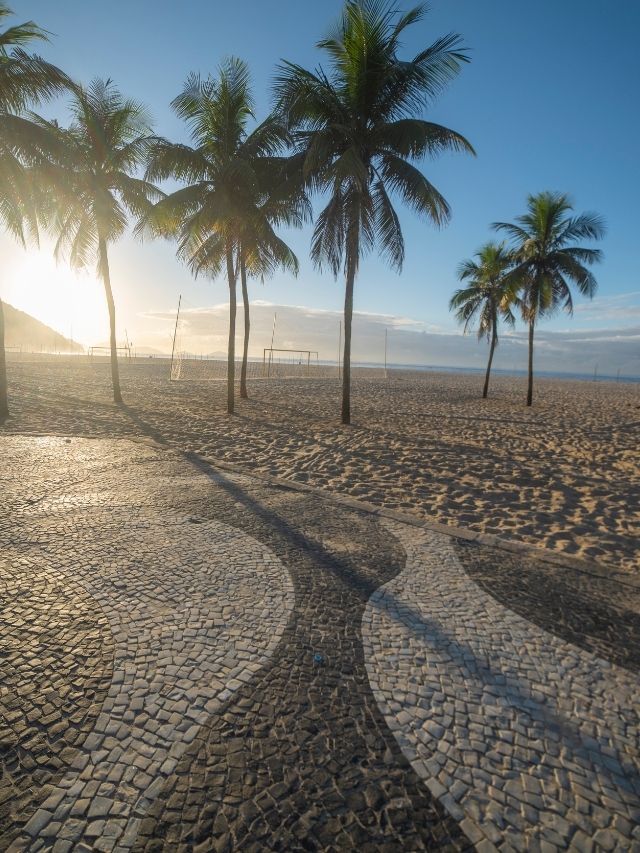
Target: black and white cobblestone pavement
<point x="526" y="739"/>
<point x="192" y="659"/>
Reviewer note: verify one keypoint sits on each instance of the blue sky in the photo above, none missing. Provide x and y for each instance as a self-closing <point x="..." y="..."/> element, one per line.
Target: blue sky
<point x="548" y="101"/>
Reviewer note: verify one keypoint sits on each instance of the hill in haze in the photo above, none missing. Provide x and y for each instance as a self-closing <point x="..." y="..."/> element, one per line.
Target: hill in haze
<point x="24" y="331"/>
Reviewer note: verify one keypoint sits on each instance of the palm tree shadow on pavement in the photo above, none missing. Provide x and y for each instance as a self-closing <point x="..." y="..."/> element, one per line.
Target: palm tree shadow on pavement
<point x="485" y="671"/>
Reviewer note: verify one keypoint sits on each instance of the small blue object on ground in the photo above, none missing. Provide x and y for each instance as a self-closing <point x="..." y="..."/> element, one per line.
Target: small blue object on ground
<point x="317" y="658"/>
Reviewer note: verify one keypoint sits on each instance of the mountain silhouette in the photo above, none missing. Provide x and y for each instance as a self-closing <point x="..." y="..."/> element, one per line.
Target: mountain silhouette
<point x="28" y="334"/>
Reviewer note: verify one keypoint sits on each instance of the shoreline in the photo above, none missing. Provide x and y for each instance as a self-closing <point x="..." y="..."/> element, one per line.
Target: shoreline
<point x="362" y="367"/>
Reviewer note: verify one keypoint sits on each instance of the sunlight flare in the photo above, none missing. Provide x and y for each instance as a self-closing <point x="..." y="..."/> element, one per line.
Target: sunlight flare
<point x="71" y="302"/>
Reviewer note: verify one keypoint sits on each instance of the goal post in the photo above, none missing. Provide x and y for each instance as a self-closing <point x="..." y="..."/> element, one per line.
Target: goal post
<point x="197" y="353"/>
<point x="121" y="352"/>
<point x="277" y="361"/>
<point x="190" y="366"/>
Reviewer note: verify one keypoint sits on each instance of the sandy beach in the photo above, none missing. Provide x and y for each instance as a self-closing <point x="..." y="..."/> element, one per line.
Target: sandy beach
<point x="562" y="475"/>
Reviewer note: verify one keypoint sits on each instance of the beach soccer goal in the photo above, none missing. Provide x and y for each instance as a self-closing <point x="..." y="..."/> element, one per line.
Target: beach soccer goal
<point x="288" y="362"/>
<point x="275" y="364"/>
<point x="197" y="368"/>
<point x="104" y="352"/>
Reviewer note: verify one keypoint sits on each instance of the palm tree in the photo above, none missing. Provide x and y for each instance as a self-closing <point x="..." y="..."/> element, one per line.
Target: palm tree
<point x="357" y="127"/>
<point x="93" y="184"/>
<point x="225" y="199"/>
<point x="24" y="78"/>
<point x="547" y="261"/>
<point x="486" y="299"/>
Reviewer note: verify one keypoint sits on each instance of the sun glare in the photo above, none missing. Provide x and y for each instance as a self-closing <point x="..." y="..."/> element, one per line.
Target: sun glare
<point x="71" y="302"/>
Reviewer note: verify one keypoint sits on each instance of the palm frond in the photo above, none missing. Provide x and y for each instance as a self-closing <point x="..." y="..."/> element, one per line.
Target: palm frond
<point x="411" y="86"/>
<point x="583" y="255"/>
<point x="414" y="189"/>
<point x="327" y="242"/>
<point x="515" y="232"/>
<point x="387" y="224"/>
<point x="412" y="137"/>
<point x="587" y="226"/>
<point x="571" y="268"/>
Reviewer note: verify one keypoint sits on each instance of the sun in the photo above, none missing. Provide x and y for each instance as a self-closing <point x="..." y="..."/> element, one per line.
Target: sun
<point x="71" y="302"/>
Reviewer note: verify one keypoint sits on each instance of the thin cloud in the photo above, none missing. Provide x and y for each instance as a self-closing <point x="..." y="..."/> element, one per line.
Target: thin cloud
<point x="622" y="307"/>
<point x="204" y="331"/>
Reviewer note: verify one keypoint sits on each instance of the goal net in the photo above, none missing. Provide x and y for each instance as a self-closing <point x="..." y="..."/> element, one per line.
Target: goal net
<point x="190" y="335"/>
<point x="275" y="364"/>
<point x="188" y="366"/>
<point x="288" y="362"/>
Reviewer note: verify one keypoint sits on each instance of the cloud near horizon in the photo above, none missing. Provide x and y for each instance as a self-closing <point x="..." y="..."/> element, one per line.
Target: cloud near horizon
<point x="204" y="331"/>
<point x="623" y="307"/>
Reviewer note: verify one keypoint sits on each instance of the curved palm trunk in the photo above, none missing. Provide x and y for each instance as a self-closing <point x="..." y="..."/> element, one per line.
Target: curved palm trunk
<point x="103" y="260"/>
<point x="231" y="354"/>
<point x="346" y="360"/>
<point x="494" y="340"/>
<point x="530" y="383"/>
<point x="4" y="398"/>
<point x="247" y="329"/>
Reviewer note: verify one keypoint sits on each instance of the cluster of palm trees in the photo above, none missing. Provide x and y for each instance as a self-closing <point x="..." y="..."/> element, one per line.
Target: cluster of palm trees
<point x="350" y="133"/>
<point x="533" y="274"/>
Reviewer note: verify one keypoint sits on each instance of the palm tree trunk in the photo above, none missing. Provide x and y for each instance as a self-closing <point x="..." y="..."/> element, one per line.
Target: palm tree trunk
<point x="4" y="398"/>
<point x="346" y="360"/>
<point x="106" y="279"/>
<point x="530" y="384"/>
<point x="231" y="354"/>
<point x="494" y="338"/>
<point x="247" y="329"/>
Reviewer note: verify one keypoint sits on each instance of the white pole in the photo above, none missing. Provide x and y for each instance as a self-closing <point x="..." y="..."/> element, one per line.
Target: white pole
<point x="175" y="331"/>
<point x="273" y="333"/>
<point x="339" y="345"/>
<point x="385" y="353"/>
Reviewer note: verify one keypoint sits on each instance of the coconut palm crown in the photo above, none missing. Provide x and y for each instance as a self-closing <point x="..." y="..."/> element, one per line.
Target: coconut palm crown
<point x="93" y="183"/>
<point x="359" y="128"/>
<point x="548" y="259"/>
<point x="24" y="79"/>
<point x="487" y="298"/>
<point x="225" y="215"/>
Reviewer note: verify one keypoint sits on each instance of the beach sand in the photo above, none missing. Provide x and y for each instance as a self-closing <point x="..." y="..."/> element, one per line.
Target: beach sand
<point x="562" y="475"/>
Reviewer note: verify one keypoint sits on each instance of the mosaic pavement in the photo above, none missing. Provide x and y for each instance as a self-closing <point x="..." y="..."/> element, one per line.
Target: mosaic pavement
<point x="196" y="660"/>
<point x="523" y="737"/>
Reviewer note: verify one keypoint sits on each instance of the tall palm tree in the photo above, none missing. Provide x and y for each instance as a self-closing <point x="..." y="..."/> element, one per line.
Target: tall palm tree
<point x="93" y="184"/>
<point x="24" y="79"/>
<point x="359" y="130"/>
<point x="486" y="299"/>
<point x="548" y="261"/>
<point x="225" y="193"/>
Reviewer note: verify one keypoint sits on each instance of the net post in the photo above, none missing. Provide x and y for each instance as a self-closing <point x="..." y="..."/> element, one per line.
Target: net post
<point x="175" y="332"/>
<point x="385" y="354"/>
